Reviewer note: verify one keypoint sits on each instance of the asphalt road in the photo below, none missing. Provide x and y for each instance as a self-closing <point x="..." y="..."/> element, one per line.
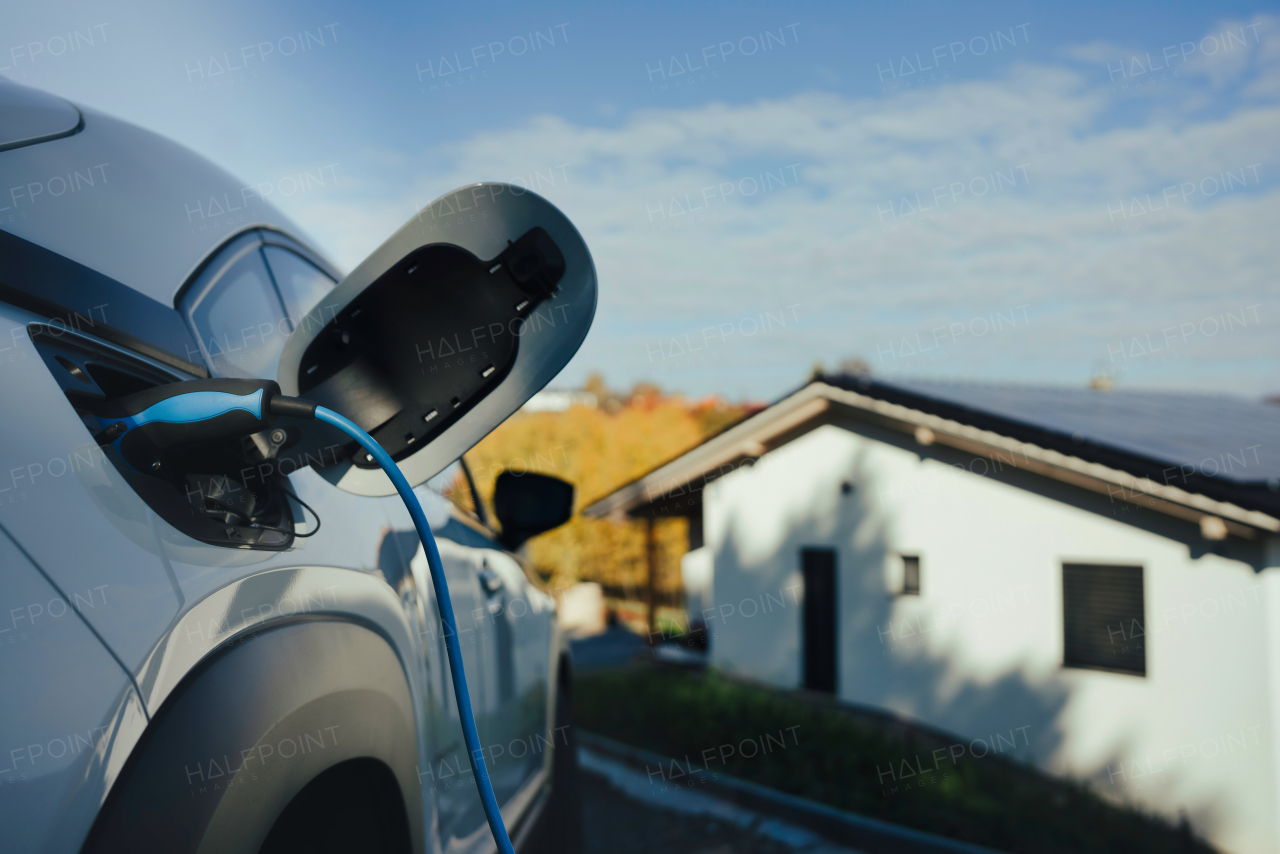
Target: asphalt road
<point x="618" y="824"/>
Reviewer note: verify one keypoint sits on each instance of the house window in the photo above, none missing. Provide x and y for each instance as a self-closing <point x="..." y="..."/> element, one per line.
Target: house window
<point x="1103" y="618"/>
<point x="910" y="575"/>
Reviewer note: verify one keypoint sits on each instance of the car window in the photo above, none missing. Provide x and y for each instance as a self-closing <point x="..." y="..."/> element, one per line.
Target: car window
<point x="300" y="282"/>
<point x="240" y="321"/>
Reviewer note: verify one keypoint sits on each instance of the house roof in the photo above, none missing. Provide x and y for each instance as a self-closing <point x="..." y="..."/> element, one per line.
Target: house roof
<point x="1198" y="457"/>
<point x="1218" y="435"/>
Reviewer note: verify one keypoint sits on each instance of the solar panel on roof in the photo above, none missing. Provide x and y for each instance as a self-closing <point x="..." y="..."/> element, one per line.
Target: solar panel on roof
<point x="1229" y="437"/>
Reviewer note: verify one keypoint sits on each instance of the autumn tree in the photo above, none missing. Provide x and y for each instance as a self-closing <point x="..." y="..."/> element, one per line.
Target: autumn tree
<point x="599" y="451"/>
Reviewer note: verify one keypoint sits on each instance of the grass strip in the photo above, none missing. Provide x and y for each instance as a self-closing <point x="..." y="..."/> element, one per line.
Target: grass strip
<point x="839" y="757"/>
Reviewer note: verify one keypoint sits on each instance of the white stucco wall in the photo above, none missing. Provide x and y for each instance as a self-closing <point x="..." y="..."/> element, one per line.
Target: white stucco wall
<point x="979" y="652"/>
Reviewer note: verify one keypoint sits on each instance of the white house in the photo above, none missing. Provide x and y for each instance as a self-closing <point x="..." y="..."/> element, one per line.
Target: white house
<point x="1088" y="580"/>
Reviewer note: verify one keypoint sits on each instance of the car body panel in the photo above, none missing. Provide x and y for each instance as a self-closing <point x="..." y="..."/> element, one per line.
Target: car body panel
<point x="52" y="515"/>
<point x="70" y="713"/>
<point x="254" y="725"/>
<point x="32" y="116"/>
<point x="273" y="597"/>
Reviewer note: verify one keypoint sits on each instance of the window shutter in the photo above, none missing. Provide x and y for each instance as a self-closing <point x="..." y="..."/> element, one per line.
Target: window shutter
<point x="1103" y="618"/>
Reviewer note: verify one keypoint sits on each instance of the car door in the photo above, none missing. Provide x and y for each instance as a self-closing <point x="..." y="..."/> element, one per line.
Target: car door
<point x="504" y="629"/>
<point x="447" y="777"/>
<point x="512" y="627"/>
<point x="517" y="634"/>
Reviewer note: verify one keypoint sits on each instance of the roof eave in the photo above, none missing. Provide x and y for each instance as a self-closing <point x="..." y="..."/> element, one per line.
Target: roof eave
<point x="798" y="413"/>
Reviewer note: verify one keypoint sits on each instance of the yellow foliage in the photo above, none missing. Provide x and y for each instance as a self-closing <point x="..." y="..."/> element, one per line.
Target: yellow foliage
<point x="598" y="452"/>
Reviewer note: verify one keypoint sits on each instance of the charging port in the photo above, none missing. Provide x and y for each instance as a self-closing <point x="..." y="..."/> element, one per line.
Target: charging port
<point x="230" y="493"/>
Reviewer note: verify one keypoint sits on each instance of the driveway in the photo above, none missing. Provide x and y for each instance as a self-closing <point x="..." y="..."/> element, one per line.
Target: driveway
<point x="618" y="824"/>
<point x="629" y="814"/>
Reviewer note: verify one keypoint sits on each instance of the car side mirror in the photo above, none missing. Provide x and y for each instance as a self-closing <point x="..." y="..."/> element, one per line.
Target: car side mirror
<point x="529" y="504"/>
<point x="441" y="334"/>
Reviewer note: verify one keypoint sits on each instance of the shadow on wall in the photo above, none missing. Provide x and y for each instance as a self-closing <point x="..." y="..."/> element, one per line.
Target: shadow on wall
<point x="924" y="684"/>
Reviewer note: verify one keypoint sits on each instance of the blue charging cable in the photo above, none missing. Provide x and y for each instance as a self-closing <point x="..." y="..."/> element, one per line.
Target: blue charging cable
<point x="143" y="425"/>
<point x="474" y="751"/>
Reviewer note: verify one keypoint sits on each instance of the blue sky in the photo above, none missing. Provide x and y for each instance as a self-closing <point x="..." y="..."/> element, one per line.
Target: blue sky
<point x="1013" y="193"/>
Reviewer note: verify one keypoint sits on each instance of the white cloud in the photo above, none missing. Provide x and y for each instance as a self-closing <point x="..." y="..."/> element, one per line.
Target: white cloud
<point x="1225" y="52"/>
<point x="819" y="237"/>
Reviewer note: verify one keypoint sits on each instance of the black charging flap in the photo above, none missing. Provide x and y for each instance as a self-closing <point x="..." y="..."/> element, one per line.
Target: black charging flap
<point x="442" y="333"/>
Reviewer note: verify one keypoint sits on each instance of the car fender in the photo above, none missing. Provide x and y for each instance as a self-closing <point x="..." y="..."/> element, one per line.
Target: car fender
<point x="248" y="728"/>
<point x="275" y="597"/>
<point x="241" y="629"/>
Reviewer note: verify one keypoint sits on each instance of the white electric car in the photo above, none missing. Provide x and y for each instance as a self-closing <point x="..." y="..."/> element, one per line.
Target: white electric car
<point x="238" y="649"/>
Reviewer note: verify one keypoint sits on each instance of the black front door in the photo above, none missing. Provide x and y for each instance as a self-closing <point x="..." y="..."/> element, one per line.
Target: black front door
<point x="819" y="567"/>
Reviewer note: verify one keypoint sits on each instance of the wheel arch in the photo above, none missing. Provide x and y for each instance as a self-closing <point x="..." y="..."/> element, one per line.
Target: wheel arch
<point x="248" y="729"/>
